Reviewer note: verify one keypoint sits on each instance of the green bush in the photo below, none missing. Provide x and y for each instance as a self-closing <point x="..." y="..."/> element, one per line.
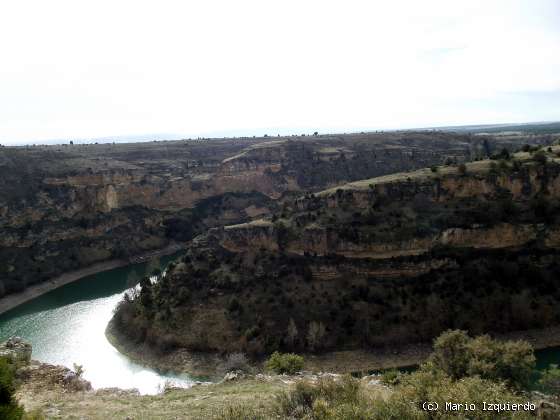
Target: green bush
<point x="425" y="385"/>
<point x="351" y="399"/>
<point x="391" y="377"/>
<point x="9" y="408"/>
<point x="540" y="157"/>
<point x="459" y="356"/>
<point x="280" y="363"/>
<point x="549" y="381"/>
<point x="328" y="399"/>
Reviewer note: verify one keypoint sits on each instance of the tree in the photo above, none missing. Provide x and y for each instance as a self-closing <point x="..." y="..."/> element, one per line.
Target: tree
<point x="146" y="299"/>
<point x="486" y="146"/>
<point x="78" y="370"/>
<point x="292" y="333"/>
<point x="315" y="335"/>
<point x="504" y="154"/>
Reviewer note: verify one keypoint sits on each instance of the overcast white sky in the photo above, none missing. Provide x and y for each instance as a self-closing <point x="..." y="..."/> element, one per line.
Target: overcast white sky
<point x="99" y="68"/>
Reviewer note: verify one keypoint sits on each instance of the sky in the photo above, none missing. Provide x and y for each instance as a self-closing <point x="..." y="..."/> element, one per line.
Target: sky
<point x="85" y="69"/>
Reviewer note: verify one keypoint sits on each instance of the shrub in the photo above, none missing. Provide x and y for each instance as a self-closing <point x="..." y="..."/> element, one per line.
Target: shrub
<point x="391" y="377"/>
<point x="328" y="399"/>
<point x="540" y="157"/>
<point x="78" y="370"/>
<point x="435" y="386"/>
<point x="503" y="165"/>
<point x="236" y="412"/>
<point x="9" y="408"/>
<point x="459" y="356"/>
<point x="549" y="381"/>
<point x="450" y="353"/>
<point x="504" y="154"/>
<point x="280" y="363"/>
<point x="234" y="305"/>
<point x="252" y="332"/>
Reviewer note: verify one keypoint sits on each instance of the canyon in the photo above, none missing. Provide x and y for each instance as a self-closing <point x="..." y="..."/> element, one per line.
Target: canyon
<point x="390" y="260"/>
<point x="66" y="207"/>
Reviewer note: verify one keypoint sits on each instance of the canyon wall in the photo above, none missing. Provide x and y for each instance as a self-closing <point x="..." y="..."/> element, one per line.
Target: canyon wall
<point x="68" y="206"/>
<point x="392" y="259"/>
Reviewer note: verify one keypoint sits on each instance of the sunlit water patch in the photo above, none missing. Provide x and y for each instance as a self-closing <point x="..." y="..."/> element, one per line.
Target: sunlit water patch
<point x="67" y="326"/>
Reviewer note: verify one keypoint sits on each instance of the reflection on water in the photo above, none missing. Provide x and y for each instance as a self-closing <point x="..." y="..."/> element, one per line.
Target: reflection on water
<point x="67" y="326"/>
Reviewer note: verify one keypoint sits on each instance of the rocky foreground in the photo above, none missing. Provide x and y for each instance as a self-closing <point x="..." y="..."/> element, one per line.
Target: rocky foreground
<point x="49" y="392"/>
<point x="58" y="392"/>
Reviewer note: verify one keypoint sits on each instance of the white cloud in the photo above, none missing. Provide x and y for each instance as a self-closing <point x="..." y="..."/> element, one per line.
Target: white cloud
<point x="85" y="68"/>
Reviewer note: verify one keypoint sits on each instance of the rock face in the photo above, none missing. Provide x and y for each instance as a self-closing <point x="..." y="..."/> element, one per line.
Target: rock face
<point x="16" y="350"/>
<point x="393" y="259"/>
<point x="44" y="376"/>
<point x="411" y="214"/>
<point x="66" y="207"/>
<point x="41" y="375"/>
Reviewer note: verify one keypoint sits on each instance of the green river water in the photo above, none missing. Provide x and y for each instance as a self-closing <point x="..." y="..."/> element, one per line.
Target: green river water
<point x="67" y="325"/>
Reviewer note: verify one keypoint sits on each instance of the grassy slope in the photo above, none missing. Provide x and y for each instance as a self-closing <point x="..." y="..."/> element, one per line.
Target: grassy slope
<point x="199" y="402"/>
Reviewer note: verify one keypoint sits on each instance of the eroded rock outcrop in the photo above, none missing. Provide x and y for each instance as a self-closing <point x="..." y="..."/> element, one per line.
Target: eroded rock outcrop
<point x="16" y="350"/>
<point x="40" y="375"/>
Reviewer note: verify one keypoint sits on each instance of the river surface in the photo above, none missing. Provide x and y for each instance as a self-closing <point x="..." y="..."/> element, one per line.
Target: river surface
<point x="67" y="326"/>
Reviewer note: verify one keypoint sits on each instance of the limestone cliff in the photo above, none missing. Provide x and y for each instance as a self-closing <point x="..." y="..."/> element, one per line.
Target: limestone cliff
<point x="390" y="259"/>
<point x="409" y="214"/>
<point x="64" y="207"/>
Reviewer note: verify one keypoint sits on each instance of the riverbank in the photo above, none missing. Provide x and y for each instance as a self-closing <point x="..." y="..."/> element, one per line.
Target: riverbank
<point x="347" y="361"/>
<point x="211" y="365"/>
<point x="208" y="366"/>
<point x="11" y="301"/>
